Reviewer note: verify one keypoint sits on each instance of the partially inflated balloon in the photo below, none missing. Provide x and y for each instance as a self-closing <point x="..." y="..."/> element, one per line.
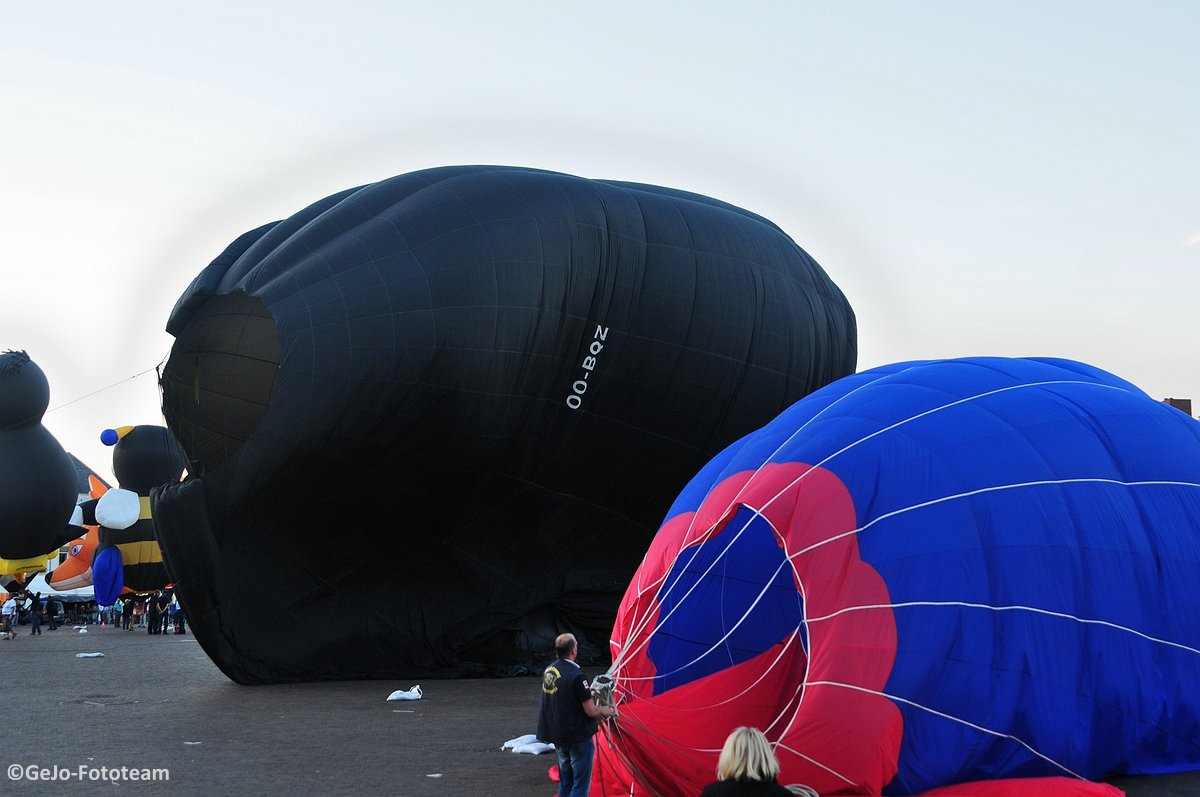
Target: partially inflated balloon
<point x="920" y="575"/>
<point x="75" y="571"/>
<point x="37" y="477"/>
<point x="126" y="555"/>
<point x="435" y="420"/>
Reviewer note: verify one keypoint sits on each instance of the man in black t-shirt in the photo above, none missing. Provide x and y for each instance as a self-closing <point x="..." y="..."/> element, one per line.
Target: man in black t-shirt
<point x="568" y="718"/>
<point x="53" y="608"/>
<point x="162" y="603"/>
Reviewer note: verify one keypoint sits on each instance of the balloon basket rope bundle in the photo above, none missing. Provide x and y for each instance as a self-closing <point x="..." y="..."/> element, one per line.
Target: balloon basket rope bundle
<point x="602" y="690"/>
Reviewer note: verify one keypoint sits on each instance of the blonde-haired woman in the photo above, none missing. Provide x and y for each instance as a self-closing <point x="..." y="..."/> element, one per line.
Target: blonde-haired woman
<point x="747" y="768"/>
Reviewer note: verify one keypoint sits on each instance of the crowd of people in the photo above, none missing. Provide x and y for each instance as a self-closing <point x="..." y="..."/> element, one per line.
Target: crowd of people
<point x="158" y="613"/>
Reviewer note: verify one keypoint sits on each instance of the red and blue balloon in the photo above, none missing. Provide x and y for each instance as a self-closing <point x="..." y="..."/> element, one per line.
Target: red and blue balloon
<point x="924" y="574"/>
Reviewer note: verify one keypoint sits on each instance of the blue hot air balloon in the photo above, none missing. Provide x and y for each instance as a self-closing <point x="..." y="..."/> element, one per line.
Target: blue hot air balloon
<point x="926" y="574"/>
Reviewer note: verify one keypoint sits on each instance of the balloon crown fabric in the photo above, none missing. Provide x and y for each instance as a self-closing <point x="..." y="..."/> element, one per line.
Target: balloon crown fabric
<point x="24" y="390"/>
<point x="37" y="478"/>
<point x="993" y="561"/>
<point x="465" y="397"/>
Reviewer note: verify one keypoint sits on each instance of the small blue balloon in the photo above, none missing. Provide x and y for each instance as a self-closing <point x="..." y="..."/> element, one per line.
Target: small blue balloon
<point x="108" y="575"/>
<point x="109" y="437"/>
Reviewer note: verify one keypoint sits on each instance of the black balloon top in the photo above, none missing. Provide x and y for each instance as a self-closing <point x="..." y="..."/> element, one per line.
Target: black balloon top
<point x="37" y="478"/>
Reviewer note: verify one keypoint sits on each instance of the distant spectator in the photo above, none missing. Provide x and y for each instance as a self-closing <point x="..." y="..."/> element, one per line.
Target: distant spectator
<point x="35" y="614"/>
<point x="53" y="610"/>
<point x="8" y="616"/>
<point x="177" y="615"/>
<point x="152" y="619"/>
<point x="162" y="603"/>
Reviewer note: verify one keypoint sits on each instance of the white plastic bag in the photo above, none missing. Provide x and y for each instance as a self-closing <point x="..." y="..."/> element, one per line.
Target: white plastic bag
<point x="526" y="739"/>
<point x="527" y="744"/>
<point x="406" y="694"/>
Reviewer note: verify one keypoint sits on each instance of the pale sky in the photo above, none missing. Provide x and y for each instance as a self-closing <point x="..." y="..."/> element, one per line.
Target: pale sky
<point x="979" y="178"/>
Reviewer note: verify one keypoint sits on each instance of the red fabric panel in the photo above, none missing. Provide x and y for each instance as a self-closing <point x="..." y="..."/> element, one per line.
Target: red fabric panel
<point x="1028" y="787"/>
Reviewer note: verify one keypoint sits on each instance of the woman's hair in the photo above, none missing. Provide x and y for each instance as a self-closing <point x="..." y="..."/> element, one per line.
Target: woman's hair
<point x="747" y="755"/>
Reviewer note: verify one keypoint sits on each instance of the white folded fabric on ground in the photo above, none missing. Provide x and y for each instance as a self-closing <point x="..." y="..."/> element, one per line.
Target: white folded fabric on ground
<point x="89" y="655"/>
<point x="526" y="739"/>
<point x="527" y="744"/>
<point x="406" y="694"/>
<point x="535" y="748"/>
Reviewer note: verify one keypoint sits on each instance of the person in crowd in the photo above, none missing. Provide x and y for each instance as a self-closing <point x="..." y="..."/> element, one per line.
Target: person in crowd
<point x="35" y="614"/>
<point x="126" y="613"/>
<point x="568" y="718"/>
<point x="163" y="603"/>
<point x="8" y="615"/>
<point x="177" y="615"/>
<point x="152" y="621"/>
<point x="21" y="610"/>
<point x="747" y="767"/>
<point x="53" y="609"/>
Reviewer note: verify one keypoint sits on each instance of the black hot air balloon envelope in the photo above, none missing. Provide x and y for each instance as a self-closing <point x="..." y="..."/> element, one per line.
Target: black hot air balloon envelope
<point x="37" y="477"/>
<point x="433" y="421"/>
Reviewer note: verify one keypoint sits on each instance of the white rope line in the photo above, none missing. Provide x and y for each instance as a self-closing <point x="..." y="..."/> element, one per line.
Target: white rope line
<point x="645" y="640"/>
<point x="639" y="624"/>
<point x="786" y="709"/>
<point x="78" y="399"/>
<point x="816" y="763"/>
<point x="1014" y="608"/>
<point x="616" y="744"/>
<point x="720" y="642"/>
<point x="766" y="587"/>
<point x="771" y="457"/>
<point x="797" y="696"/>
<point x="690" y="536"/>
<point x="991" y="489"/>
<point x="793" y="638"/>
<point x="952" y="718"/>
<point x="932" y="411"/>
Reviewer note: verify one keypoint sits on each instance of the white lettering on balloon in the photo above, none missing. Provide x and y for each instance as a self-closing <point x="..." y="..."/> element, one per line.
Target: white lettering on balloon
<point x="580" y="386"/>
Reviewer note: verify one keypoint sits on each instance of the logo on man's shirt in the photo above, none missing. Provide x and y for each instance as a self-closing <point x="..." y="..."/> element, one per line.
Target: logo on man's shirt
<point x="550" y="680"/>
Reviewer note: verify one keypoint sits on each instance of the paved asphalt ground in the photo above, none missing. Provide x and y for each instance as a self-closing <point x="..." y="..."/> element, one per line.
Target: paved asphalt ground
<point x="158" y="702"/>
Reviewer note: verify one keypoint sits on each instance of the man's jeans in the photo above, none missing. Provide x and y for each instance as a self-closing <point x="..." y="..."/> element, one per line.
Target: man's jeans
<point x="575" y="768"/>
